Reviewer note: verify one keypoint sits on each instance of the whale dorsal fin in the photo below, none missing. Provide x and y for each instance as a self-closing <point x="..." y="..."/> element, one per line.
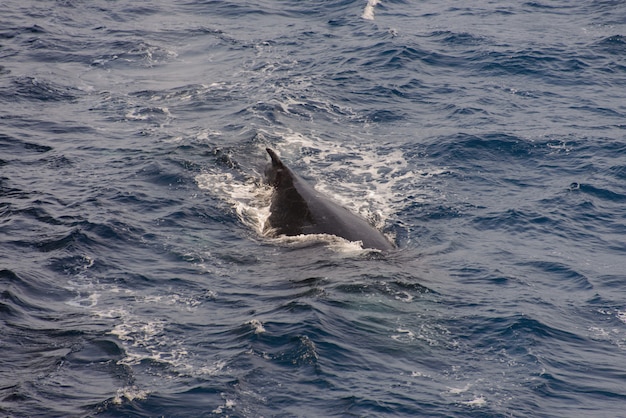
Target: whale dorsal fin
<point x="276" y="163"/>
<point x="277" y="173"/>
<point x="297" y="208"/>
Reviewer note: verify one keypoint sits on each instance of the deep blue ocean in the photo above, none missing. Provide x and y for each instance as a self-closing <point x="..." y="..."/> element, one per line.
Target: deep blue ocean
<point x="486" y="139"/>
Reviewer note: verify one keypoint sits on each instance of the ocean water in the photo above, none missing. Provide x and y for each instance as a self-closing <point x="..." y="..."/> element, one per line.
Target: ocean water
<point x="486" y="139"/>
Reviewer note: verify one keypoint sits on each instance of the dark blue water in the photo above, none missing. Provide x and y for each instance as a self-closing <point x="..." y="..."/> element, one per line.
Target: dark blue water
<point x="487" y="140"/>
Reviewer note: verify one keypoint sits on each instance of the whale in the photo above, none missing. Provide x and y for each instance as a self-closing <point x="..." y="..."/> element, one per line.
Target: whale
<point x="296" y="208"/>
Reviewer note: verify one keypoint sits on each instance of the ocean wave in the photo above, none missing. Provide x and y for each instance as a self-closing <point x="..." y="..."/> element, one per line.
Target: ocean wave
<point x="135" y="278"/>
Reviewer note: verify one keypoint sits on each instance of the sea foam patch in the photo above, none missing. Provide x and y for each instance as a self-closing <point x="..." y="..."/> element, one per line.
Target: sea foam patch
<point x="368" y="12"/>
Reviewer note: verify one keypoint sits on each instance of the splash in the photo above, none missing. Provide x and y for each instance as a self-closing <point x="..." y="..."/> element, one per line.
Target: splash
<point x="370" y="180"/>
<point x="368" y="12"/>
<point x="249" y="198"/>
<point x="476" y="402"/>
<point x="129" y="393"/>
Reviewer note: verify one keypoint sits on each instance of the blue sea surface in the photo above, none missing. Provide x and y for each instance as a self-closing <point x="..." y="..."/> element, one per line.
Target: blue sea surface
<point x="486" y="139"/>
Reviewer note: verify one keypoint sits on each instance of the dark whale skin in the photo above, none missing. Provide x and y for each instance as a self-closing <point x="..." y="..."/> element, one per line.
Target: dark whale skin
<point x="297" y="208"/>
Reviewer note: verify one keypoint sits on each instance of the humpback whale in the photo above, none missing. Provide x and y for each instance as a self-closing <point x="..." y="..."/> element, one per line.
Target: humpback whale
<point x="297" y="208"/>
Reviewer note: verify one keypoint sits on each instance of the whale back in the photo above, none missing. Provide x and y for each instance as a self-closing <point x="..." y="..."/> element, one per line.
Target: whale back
<point x="297" y="208"/>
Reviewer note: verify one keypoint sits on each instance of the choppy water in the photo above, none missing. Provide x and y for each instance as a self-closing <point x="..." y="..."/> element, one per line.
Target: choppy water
<point x="487" y="139"/>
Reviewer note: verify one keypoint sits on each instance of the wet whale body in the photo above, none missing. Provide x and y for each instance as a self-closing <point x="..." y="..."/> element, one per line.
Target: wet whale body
<point x="297" y="208"/>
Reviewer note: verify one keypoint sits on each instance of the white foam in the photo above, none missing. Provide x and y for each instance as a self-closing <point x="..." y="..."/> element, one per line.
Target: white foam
<point x="404" y="297"/>
<point x="333" y="242"/>
<point x="456" y="391"/>
<point x="257" y="325"/>
<point x="130" y="393"/>
<point x="476" y="402"/>
<point x="211" y="370"/>
<point x="147" y="337"/>
<point x="405" y="335"/>
<point x="142" y="337"/>
<point x="416" y="373"/>
<point x="84" y="301"/>
<point x="613" y="335"/>
<point x="229" y="404"/>
<point x="368" y="12"/>
<point x="87" y="295"/>
<point x="374" y="186"/>
<point x="599" y="333"/>
<point x="249" y="198"/>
